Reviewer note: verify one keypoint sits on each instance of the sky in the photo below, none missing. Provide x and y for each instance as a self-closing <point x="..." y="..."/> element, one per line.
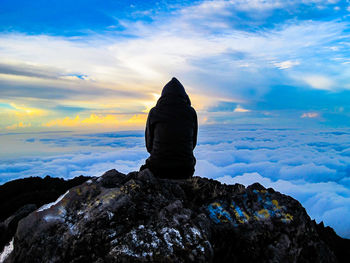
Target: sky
<point x="100" y="65"/>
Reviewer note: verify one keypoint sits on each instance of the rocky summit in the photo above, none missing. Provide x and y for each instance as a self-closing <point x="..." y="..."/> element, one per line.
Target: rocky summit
<point x="20" y="197"/>
<point x="140" y="218"/>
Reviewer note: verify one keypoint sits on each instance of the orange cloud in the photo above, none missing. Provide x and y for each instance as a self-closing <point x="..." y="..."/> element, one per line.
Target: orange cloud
<point x="138" y="119"/>
<point x="240" y="109"/>
<point x="66" y="122"/>
<point x="18" y="125"/>
<point x="99" y="120"/>
<point x="93" y="119"/>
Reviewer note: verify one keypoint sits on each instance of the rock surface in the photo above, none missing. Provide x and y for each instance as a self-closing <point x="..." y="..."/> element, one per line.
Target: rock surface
<point x="139" y="218"/>
<point x="19" y="198"/>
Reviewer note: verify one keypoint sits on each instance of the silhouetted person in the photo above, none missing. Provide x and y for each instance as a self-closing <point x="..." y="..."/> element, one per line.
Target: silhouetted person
<point x="171" y="134"/>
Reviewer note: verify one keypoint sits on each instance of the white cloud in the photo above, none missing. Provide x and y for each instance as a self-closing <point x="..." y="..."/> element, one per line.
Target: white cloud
<point x="311" y="165"/>
<point x="309" y="115"/>
<point x="286" y="64"/>
<point x="320" y="82"/>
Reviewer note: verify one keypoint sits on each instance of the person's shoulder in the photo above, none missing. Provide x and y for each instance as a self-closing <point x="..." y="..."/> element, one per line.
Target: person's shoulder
<point x="152" y="110"/>
<point x="193" y="110"/>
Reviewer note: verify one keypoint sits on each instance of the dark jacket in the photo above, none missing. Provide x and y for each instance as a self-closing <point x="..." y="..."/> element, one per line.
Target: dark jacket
<point x="171" y="133"/>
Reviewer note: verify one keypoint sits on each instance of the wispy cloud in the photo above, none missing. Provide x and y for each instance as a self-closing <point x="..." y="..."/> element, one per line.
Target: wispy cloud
<point x="286" y="64"/>
<point x="240" y="109"/>
<point x="18" y="125"/>
<point x="309" y="115"/>
<point x="320" y="82"/>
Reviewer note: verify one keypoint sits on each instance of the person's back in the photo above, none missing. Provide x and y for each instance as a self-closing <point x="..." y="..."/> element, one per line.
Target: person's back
<point x="171" y="134"/>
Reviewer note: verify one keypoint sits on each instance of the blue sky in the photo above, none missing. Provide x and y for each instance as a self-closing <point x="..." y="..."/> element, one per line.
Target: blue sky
<point x="101" y="64"/>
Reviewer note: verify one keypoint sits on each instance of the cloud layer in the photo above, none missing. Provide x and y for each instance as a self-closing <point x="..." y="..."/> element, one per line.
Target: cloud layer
<point x="312" y="166"/>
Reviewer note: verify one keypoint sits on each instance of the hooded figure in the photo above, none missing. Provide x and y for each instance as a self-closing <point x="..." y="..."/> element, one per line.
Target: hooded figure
<point x="171" y="134"/>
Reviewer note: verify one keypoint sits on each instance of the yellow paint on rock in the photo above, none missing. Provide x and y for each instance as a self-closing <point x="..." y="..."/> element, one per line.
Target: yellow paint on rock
<point x="238" y="217"/>
<point x="275" y="203"/>
<point x="264" y="213"/>
<point x="222" y="218"/>
<point x="288" y="217"/>
<point x="246" y="215"/>
<point x="78" y="191"/>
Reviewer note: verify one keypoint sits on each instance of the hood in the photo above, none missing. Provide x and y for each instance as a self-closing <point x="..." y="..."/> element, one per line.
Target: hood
<point x="174" y="92"/>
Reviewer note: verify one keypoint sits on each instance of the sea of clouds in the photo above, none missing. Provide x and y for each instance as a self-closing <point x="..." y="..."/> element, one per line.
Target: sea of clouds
<point x="311" y="165"/>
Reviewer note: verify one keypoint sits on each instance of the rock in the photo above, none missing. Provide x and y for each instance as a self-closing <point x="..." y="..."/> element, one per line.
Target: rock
<point x="20" y="197"/>
<point x="11" y="222"/>
<point x="9" y="226"/>
<point x="340" y="246"/>
<point x="140" y="218"/>
<point x="33" y="190"/>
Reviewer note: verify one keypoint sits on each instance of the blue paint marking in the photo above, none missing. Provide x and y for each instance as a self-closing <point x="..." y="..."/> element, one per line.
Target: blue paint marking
<point x="268" y="205"/>
<point x="212" y="214"/>
<point x="239" y="211"/>
<point x="270" y="208"/>
<point x="216" y="212"/>
<point x="260" y="200"/>
<point x="265" y="202"/>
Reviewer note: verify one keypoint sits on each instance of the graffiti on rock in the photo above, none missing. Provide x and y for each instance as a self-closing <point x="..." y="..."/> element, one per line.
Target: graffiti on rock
<point x="242" y="214"/>
<point x="219" y="214"/>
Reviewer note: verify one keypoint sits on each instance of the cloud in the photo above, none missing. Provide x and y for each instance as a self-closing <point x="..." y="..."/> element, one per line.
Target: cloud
<point x="18" y="125"/>
<point x="108" y="120"/>
<point x="319" y="82"/>
<point x="91" y="120"/>
<point x="23" y="110"/>
<point x="15" y="116"/>
<point x="286" y="64"/>
<point x="309" y="115"/>
<point x="28" y="70"/>
<point x="240" y="109"/>
<point x="311" y="165"/>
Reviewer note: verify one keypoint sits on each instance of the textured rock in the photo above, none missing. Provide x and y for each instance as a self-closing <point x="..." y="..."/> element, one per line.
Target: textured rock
<point x="33" y="190"/>
<point x="20" y="197"/>
<point x="9" y="226"/>
<point x="138" y="218"/>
